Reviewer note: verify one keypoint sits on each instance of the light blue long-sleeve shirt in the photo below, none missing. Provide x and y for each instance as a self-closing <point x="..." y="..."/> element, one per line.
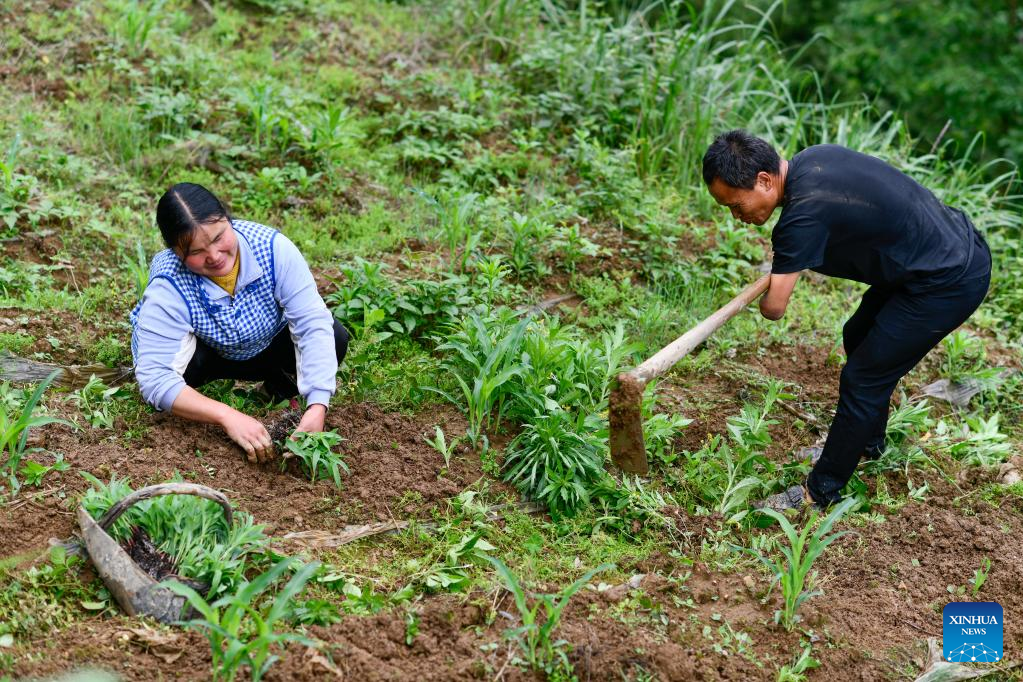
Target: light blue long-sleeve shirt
<point x="165" y="338"/>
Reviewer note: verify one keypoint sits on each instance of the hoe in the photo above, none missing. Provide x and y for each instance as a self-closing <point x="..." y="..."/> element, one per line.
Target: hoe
<point x="627" y="448"/>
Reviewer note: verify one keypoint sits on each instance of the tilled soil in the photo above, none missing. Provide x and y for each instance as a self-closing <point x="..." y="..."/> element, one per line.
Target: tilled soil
<point x="871" y="623"/>
<point x="884" y="584"/>
<point x="394" y="474"/>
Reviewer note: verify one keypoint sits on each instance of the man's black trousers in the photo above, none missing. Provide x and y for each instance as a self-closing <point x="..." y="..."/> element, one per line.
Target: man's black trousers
<point x="275" y="366"/>
<point x="886" y="337"/>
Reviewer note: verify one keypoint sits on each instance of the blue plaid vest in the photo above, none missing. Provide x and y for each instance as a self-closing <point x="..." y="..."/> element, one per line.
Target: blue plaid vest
<point x="243" y="328"/>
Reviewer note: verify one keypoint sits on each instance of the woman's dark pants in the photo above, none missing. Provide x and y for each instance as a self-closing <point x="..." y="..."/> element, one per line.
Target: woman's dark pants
<point x="886" y="337"/>
<point x="275" y="366"/>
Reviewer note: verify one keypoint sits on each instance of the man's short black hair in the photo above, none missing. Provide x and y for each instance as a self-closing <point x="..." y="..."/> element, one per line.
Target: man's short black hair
<point x="736" y="157"/>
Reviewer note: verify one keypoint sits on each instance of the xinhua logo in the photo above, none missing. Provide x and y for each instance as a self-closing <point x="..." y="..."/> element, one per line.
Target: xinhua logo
<point x="972" y="632"/>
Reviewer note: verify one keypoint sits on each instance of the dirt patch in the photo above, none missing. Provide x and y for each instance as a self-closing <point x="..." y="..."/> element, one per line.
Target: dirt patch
<point x="885" y="587"/>
<point x="115" y="644"/>
<point x="394" y="472"/>
<point x="810" y="368"/>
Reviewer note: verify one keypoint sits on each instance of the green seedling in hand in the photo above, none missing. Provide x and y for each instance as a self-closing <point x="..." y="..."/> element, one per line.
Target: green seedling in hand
<point x="316" y="453"/>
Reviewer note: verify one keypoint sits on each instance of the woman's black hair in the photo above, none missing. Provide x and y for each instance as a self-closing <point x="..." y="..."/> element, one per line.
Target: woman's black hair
<point x="736" y="157"/>
<point x="184" y="207"/>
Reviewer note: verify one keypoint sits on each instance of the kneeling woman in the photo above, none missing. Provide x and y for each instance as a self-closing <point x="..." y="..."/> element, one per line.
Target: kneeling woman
<point x="231" y="299"/>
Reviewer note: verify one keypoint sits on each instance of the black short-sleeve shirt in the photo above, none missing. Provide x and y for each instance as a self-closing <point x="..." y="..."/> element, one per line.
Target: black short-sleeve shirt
<point x="850" y="215"/>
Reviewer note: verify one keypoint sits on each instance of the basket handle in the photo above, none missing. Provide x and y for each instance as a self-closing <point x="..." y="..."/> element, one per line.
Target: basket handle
<point x="151" y="491"/>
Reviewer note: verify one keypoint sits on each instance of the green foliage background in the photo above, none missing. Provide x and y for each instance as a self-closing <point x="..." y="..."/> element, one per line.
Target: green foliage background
<point x="933" y="60"/>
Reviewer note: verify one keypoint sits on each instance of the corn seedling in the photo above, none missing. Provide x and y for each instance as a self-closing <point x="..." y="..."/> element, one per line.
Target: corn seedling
<point x="535" y="639"/>
<point x="240" y="629"/>
<point x="316" y="453"/>
<point x="440" y="444"/>
<point x="796" y="670"/>
<point x="15" y="425"/>
<point x="792" y="568"/>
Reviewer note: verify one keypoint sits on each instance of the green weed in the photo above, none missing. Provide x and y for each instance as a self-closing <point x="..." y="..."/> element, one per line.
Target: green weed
<point x="535" y="636"/>
<point x="95" y="399"/>
<point x="241" y="630"/>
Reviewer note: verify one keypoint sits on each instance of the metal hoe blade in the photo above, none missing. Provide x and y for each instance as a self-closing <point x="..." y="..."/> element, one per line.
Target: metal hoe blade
<point x="626" y="423"/>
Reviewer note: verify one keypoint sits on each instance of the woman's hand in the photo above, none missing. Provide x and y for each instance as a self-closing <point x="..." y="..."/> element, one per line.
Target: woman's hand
<point x="312" y="420"/>
<point x="242" y="429"/>
<point x="250" y="434"/>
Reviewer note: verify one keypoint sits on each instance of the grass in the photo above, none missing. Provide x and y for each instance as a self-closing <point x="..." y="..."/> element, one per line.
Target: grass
<point x="535" y="636"/>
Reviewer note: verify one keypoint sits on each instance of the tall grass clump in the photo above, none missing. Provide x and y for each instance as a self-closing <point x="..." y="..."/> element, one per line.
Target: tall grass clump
<point x="548" y="379"/>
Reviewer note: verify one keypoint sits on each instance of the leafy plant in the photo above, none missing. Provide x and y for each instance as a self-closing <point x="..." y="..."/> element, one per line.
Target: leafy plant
<point x="792" y="568"/>
<point x="94" y="400"/>
<point x="556" y="460"/>
<point x="964" y="359"/>
<point x="486" y="354"/>
<point x="723" y="475"/>
<point x="367" y="601"/>
<point x="34" y="472"/>
<point x="329" y="130"/>
<point x="240" y="628"/>
<point x="440" y="444"/>
<point x="15" y="424"/>
<point x="535" y="636"/>
<point x="452" y="574"/>
<point x="525" y="237"/>
<point x="136" y="21"/>
<point x="796" y="670"/>
<point x="316" y="453"/>
<point x="416" y="309"/>
<point x="976" y="441"/>
<point x="138" y="265"/>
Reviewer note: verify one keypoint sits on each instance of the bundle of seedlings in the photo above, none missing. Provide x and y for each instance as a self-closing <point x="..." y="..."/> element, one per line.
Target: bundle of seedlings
<point x="183" y="537"/>
<point x="306" y="454"/>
